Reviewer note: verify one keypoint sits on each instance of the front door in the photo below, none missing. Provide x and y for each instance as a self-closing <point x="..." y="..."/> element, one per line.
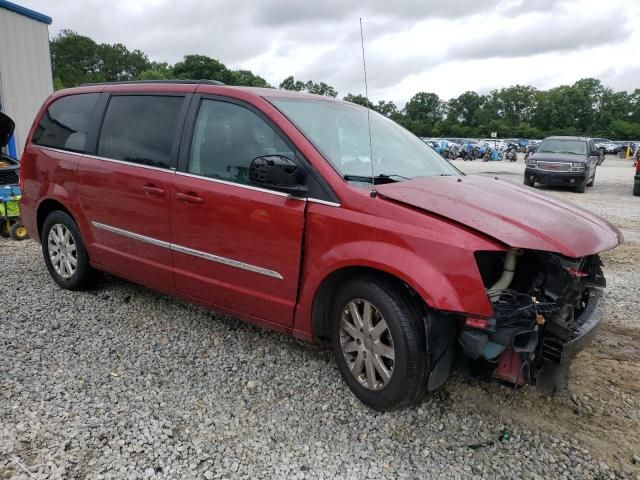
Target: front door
<point x="233" y="244"/>
<point x="125" y="189"/>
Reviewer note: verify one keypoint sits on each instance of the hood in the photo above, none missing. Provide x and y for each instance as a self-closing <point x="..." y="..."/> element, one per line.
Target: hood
<point x="558" y="157"/>
<point x="6" y="129"/>
<point x="517" y="216"/>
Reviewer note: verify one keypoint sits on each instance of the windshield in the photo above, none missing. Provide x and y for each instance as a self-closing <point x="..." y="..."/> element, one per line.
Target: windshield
<point x="341" y="133"/>
<point x="574" y="147"/>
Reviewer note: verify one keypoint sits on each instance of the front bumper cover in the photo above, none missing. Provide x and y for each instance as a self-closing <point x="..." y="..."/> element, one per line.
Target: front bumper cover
<point x="562" y="342"/>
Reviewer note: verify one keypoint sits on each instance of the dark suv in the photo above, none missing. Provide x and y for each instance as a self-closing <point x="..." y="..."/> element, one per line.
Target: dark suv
<point x="566" y="161"/>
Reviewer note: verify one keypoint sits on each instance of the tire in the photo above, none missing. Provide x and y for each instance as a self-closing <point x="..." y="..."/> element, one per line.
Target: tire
<point x="18" y="232"/>
<point x="530" y="183"/>
<point x="581" y="188"/>
<point x="636" y="188"/>
<point x="83" y="276"/>
<point x="5" y="228"/>
<point x="592" y="181"/>
<point x="408" y="370"/>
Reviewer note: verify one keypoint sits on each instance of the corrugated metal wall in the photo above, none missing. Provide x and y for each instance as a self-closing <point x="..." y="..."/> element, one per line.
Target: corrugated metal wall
<point x="25" y="70"/>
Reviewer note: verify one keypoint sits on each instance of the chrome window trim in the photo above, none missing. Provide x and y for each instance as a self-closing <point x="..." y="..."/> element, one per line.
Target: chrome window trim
<point x="191" y="175"/>
<point x="113" y="160"/>
<point x="240" y="185"/>
<point x="323" y="202"/>
<point x="189" y="251"/>
<point x="257" y="189"/>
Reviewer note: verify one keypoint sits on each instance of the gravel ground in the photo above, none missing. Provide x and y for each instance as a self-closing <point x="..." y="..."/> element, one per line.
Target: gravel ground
<point x="122" y="382"/>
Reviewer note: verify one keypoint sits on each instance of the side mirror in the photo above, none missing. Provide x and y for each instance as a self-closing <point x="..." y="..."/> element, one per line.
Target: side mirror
<point x="6" y="129"/>
<point x="277" y="172"/>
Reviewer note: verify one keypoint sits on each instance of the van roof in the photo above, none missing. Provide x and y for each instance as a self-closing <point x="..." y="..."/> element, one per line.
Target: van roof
<point x="201" y="86"/>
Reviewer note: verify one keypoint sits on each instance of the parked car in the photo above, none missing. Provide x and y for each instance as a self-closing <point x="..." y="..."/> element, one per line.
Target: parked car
<point x="275" y="208"/>
<point x="566" y="161"/>
<point x="607" y="146"/>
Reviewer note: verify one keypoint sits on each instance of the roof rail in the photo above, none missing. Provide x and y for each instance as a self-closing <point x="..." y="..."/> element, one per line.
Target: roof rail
<point x="135" y="82"/>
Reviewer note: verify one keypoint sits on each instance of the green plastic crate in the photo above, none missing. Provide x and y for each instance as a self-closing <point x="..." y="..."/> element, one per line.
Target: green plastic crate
<point x="10" y="208"/>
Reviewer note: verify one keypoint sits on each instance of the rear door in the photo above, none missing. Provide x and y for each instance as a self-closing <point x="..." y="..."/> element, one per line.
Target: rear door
<point x="125" y="188"/>
<point x="235" y="245"/>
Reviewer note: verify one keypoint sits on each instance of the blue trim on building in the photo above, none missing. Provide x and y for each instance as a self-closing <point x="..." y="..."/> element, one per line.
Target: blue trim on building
<point x="26" y="12"/>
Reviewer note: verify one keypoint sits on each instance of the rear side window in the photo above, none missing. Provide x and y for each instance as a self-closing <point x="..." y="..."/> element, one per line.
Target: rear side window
<point x="141" y="129"/>
<point x="65" y="124"/>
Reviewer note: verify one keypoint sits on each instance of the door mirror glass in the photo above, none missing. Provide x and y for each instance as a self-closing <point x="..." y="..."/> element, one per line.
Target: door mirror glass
<point x="277" y="172"/>
<point x="6" y="129"/>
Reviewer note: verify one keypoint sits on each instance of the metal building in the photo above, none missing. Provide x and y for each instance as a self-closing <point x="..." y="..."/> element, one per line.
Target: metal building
<point x="25" y="67"/>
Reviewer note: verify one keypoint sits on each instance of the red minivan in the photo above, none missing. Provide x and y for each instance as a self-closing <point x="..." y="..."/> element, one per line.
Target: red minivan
<point x="314" y="217"/>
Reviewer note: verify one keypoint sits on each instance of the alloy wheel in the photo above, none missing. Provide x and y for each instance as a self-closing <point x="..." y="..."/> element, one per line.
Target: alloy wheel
<point x="62" y="251"/>
<point x="367" y="344"/>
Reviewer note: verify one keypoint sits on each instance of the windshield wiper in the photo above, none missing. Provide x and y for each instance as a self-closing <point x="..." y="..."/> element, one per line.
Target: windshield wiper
<point x="383" y="177"/>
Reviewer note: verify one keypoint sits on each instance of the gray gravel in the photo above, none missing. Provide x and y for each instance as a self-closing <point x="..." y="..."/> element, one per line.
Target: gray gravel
<point x="122" y="382"/>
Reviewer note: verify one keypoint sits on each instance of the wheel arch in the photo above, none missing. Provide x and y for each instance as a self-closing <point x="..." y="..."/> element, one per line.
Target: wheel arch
<point x="45" y="208"/>
<point x="323" y="298"/>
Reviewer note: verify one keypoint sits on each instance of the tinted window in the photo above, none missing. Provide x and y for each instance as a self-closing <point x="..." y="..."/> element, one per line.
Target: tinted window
<point x="227" y="137"/>
<point x="140" y="129"/>
<point x="574" y="147"/>
<point x="65" y="123"/>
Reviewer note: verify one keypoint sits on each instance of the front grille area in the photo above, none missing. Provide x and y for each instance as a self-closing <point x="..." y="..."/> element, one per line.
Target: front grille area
<point x="8" y="177"/>
<point x="554" y="166"/>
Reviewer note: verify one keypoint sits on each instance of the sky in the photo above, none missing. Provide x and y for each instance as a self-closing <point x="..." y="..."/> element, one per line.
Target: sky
<point x="410" y="45"/>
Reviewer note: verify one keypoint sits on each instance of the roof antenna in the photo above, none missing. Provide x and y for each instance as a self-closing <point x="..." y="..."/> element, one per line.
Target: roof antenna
<point x="366" y="94"/>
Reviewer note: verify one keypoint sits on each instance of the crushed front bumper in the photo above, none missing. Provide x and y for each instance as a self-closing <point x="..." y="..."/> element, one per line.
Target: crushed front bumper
<point x="561" y="343"/>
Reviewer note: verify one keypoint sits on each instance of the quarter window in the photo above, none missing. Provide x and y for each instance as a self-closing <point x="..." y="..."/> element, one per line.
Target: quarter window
<point x="141" y="129"/>
<point x="65" y="124"/>
<point x="227" y="137"/>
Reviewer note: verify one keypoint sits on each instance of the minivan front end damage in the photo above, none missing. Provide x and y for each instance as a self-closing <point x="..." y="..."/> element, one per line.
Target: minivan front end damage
<point x="546" y="308"/>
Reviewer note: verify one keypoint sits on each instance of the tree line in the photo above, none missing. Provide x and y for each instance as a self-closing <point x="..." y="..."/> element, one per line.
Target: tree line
<point x="585" y="108"/>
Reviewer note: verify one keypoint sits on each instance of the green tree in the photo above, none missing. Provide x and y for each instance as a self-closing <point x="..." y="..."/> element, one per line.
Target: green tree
<point x="358" y="99"/>
<point x="310" y="86"/>
<point x="201" y="67"/>
<point x="75" y="59"/>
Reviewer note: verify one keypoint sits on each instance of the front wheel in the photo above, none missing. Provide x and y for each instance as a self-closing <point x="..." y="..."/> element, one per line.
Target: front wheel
<point x="65" y="254"/>
<point x="529" y="183"/>
<point x="379" y="343"/>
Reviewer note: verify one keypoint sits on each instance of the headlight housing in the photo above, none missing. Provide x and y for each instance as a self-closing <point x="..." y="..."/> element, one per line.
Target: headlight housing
<point x="578" y="167"/>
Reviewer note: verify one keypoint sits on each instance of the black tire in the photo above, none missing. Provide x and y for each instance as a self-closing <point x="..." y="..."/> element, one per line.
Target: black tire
<point x="5" y="228"/>
<point x="529" y="183"/>
<point x="411" y="364"/>
<point x="636" y="188"/>
<point x="84" y="276"/>
<point x="18" y="232"/>
<point x="592" y="181"/>
<point x="581" y="188"/>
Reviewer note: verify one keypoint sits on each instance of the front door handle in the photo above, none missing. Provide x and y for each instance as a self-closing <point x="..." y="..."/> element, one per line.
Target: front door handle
<point x="189" y="197"/>
<point x="152" y="189"/>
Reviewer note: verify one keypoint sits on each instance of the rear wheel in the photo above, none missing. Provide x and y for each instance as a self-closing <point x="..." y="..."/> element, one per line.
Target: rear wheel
<point x="379" y="343"/>
<point x="65" y="254"/>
